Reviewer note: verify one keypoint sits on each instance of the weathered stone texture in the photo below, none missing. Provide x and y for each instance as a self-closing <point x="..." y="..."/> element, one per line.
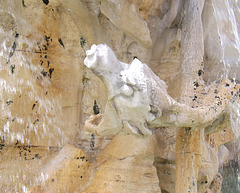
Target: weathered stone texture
<point x="46" y="92"/>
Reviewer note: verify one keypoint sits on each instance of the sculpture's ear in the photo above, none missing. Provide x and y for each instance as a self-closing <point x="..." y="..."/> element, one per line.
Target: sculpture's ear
<point x="130" y="74"/>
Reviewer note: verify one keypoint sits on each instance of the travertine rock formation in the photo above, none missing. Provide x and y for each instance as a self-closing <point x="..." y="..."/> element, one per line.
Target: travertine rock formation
<point x="47" y="94"/>
<point x="138" y="100"/>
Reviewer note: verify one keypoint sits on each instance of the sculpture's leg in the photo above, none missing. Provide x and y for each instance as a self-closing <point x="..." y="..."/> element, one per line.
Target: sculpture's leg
<point x="188" y="144"/>
<point x="188" y="159"/>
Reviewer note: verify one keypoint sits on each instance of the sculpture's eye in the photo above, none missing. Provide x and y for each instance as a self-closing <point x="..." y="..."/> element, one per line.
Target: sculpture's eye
<point x="127" y="90"/>
<point x="102" y="48"/>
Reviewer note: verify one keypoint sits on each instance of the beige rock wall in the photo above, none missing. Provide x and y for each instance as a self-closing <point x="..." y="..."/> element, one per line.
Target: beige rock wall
<point x="46" y="93"/>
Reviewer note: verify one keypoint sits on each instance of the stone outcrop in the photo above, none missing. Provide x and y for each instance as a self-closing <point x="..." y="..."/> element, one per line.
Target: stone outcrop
<point x="136" y="27"/>
<point x="68" y="171"/>
<point x="126" y="164"/>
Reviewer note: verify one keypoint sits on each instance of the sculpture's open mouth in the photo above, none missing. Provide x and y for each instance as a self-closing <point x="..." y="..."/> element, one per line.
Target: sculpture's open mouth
<point x="93" y="122"/>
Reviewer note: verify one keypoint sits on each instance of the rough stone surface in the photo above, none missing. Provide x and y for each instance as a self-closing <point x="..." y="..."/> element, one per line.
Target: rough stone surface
<point x="122" y="169"/>
<point x="47" y="93"/>
<point x="135" y="27"/>
<point x="68" y="171"/>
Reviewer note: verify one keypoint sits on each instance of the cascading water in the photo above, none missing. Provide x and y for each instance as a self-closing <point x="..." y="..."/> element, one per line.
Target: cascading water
<point x="227" y="14"/>
<point x="31" y="113"/>
<point x="227" y="18"/>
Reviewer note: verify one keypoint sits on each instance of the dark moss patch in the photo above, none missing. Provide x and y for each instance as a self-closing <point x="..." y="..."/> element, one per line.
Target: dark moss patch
<point x="92" y="143"/>
<point x="34" y="105"/>
<point x="82" y="158"/>
<point x="195" y="84"/>
<point x="95" y="108"/>
<point x="9" y="102"/>
<point x="61" y="42"/>
<point x="46" y="2"/>
<point x="45" y="47"/>
<point x="44" y="73"/>
<point x="2" y="142"/>
<point x="13" y="49"/>
<point x="82" y="41"/>
<point x="12" y="68"/>
<point x="17" y="142"/>
<point x="194" y="98"/>
<point x="47" y="38"/>
<point x="200" y="72"/>
<point x="50" y="72"/>
<point x="23" y="4"/>
<point x="37" y="120"/>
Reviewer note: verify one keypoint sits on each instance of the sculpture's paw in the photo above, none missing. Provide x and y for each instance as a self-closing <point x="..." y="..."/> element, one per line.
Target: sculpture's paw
<point x="92" y="124"/>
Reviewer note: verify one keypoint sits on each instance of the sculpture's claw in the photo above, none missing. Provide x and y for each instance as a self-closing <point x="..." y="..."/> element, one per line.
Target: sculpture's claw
<point x="138" y="129"/>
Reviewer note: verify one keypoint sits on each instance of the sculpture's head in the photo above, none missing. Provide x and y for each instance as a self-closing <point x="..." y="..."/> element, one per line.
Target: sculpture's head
<point x="101" y="59"/>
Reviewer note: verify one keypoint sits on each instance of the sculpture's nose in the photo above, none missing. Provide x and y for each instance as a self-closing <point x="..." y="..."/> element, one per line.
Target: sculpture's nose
<point x="91" y="51"/>
<point x="90" y="56"/>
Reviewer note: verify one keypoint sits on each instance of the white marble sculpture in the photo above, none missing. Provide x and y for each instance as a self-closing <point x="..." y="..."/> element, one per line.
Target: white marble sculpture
<point x="138" y="99"/>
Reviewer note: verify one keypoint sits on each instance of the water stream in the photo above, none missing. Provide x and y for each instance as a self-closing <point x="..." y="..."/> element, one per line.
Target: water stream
<point x="31" y="113"/>
<point x="227" y="14"/>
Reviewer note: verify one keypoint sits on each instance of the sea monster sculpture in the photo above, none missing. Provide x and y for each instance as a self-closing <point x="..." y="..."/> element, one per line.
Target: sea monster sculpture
<point x="138" y="99"/>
